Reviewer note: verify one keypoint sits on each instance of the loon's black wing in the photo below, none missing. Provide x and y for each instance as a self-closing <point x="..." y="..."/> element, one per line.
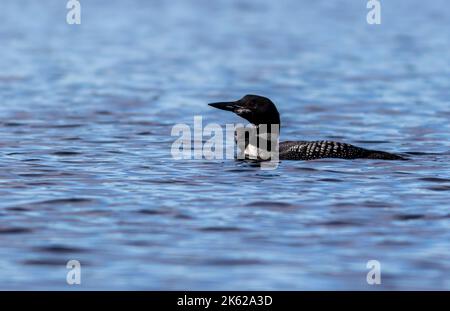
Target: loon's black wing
<point x="310" y="150"/>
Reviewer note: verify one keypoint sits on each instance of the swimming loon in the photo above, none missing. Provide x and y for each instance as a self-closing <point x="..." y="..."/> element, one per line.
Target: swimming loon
<point x="260" y="111"/>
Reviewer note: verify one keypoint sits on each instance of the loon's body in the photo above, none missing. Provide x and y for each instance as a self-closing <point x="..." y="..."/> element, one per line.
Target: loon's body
<point x="261" y="112"/>
<point x="310" y="150"/>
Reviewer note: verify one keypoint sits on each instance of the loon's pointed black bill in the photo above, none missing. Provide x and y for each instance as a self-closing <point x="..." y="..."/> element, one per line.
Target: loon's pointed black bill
<point x="228" y="106"/>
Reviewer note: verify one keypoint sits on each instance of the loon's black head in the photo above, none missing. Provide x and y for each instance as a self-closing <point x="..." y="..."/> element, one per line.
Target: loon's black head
<point x="255" y="109"/>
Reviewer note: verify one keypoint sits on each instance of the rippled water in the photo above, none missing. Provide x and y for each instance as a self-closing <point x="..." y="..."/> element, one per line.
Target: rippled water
<point x="86" y="172"/>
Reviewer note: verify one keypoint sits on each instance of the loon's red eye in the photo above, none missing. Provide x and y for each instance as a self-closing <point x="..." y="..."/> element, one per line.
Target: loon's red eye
<point x="252" y="105"/>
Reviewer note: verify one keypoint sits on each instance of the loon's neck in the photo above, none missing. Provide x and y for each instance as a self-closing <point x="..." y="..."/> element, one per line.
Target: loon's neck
<point x="262" y="142"/>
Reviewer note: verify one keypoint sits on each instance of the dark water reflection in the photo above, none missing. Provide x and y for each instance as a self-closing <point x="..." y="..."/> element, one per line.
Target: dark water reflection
<point x="86" y="173"/>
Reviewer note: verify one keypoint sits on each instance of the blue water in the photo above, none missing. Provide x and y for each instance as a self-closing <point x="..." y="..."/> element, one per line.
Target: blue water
<point x="86" y="172"/>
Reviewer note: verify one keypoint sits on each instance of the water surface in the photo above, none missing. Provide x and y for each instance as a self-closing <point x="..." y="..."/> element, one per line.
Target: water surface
<point x="86" y="171"/>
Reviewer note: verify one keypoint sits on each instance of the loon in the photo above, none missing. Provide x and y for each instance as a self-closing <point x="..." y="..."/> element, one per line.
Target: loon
<point x="260" y="111"/>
